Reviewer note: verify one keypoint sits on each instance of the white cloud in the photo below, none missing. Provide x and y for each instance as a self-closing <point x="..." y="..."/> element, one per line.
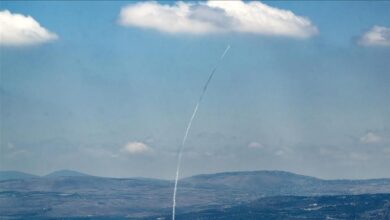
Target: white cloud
<point x="20" y="30"/>
<point x="376" y="36"/>
<point x="216" y="17"/>
<point x="136" y="148"/>
<point x="371" y="138"/>
<point x="255" y="145"/>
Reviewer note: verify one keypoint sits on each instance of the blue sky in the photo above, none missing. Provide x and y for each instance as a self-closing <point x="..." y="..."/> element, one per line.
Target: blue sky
<point x="113" y="99"/>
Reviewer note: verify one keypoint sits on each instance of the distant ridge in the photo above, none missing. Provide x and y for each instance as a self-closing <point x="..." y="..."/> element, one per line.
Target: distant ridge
<point x="255" y="175"/>
<point x="17" y="175"/>
<point x="66" y="173"/>
<point x="11" y="174"/>
<point x="278" y="173"/>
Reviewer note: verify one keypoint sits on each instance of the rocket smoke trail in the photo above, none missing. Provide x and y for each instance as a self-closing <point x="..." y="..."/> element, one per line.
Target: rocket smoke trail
<point x="189" y="127"/>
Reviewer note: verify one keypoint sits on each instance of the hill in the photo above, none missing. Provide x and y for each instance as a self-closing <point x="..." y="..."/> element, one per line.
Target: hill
<point x="65" y="173"/>
<point x="9" y="175"/>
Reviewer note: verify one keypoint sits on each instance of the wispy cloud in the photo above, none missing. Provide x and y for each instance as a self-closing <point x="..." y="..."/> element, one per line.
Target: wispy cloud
<point x="371" y="138"/>
<point x="137" y="148"/>
<point x="217" y="17"/>
<point x="21" y="30"/>
<point x="255" y="145"/>
<point x="376" y="36"/>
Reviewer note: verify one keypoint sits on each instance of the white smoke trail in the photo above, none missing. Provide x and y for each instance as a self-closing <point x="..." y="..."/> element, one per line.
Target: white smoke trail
<point x="189" y="127"/>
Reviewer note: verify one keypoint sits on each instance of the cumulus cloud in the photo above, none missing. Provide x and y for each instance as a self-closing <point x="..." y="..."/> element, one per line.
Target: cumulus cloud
<point x="376" y="36"/>
<point x="255" y="145"/>
<point x="371" y="138"/>
<point x="136" y="148"/>
<point x="21" y="30"/>
<point x="216" y="17"/>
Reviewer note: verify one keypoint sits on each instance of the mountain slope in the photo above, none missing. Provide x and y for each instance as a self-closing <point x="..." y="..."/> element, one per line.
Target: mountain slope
<point x="65" y="173"/>
<point x="9" y="175"/>
<point x="272" y="183"/>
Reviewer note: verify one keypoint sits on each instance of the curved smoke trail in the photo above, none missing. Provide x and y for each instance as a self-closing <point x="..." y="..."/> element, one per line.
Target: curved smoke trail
<point x="189" y="127"/>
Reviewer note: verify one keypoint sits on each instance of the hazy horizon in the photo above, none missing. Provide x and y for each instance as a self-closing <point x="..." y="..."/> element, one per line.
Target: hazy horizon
<point x="183" y="177"/>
